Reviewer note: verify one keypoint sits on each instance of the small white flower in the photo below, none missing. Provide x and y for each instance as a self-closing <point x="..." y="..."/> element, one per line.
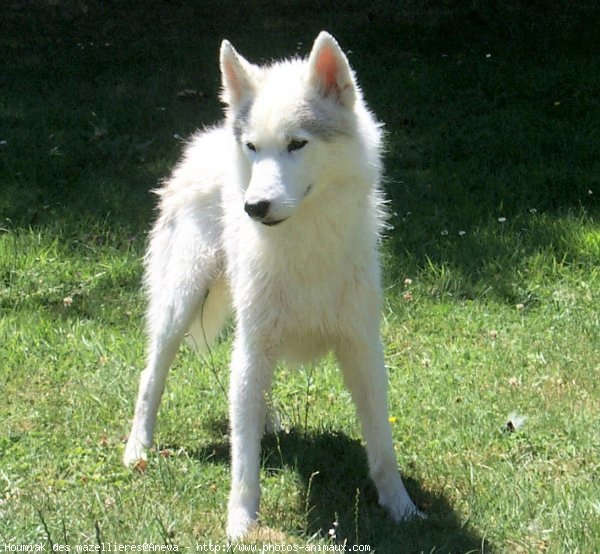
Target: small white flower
<point x="444" y="233"/>
<point x="462" y="233"/>
<point x="501" y="219"/>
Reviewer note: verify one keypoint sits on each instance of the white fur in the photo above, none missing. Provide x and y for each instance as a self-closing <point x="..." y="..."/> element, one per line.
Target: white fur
<point x="305" y="286"/>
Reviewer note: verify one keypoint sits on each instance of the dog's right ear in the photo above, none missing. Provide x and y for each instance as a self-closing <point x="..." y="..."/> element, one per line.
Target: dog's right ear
<point x="236" y="75"/>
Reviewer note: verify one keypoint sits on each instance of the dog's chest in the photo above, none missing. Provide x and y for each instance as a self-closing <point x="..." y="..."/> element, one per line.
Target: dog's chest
<point x="294" y="299"/>
<point x="305" y="288"/>
<point x="304" y="316"/>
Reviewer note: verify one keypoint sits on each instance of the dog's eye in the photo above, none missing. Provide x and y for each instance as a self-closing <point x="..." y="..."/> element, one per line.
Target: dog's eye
<point x="296" y="144"/>
<point x="251" y="147"/>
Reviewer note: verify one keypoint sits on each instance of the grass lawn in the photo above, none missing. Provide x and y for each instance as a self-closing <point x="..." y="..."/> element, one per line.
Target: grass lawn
<point x="492" y="318"/>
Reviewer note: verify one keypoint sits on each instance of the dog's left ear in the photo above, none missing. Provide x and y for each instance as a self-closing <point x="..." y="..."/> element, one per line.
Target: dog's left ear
<point x="329" y="71"/>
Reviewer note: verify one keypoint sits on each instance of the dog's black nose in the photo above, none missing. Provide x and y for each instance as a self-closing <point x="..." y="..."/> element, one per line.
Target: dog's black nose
<point x="257" y="210"/>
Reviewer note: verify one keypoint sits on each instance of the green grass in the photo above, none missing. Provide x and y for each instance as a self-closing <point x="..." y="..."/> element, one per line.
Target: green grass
<point x="492" y="278"/>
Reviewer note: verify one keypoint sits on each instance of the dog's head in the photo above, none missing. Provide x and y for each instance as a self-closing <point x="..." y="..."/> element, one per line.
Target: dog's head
<point x="291" y="120"/>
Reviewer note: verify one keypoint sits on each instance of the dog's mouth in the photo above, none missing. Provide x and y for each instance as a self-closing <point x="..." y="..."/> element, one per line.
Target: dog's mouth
<point x="271" y="223"/>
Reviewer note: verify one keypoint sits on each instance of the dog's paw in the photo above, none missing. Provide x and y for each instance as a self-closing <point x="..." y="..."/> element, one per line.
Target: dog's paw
<point x="239" y="523"/>
<point x="136" y="455"/>
<point x="400" y="507"/>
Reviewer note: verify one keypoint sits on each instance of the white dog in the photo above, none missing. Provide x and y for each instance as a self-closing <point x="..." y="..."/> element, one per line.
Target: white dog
<point x="276" y="213"/>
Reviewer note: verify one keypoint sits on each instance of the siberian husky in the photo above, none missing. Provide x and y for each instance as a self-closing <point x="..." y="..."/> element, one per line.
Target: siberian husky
<point x="276" y="213"/>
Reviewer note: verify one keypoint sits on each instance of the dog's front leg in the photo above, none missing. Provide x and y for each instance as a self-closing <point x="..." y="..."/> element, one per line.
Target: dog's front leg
<point x="251" y="376"/>
<point x="364" y="372"/>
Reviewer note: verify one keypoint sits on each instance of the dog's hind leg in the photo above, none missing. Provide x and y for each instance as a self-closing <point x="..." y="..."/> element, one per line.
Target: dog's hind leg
<point x="250" y="384"/>
<point x="364" y="373"/>
<point x="210" y="317"/>
<point x="181" y="267"/>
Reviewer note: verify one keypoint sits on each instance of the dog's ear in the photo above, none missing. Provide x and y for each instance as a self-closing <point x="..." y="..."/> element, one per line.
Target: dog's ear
<point x="236" y="75"/>
<point x="329" y="71"/>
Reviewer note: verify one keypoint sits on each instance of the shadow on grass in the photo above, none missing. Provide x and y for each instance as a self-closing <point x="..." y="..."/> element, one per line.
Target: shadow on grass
<point x="486" y="107"/>
<point x="490" y="112"/>
<point x="504" y="260"/>
<point x="336" y="488"/>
